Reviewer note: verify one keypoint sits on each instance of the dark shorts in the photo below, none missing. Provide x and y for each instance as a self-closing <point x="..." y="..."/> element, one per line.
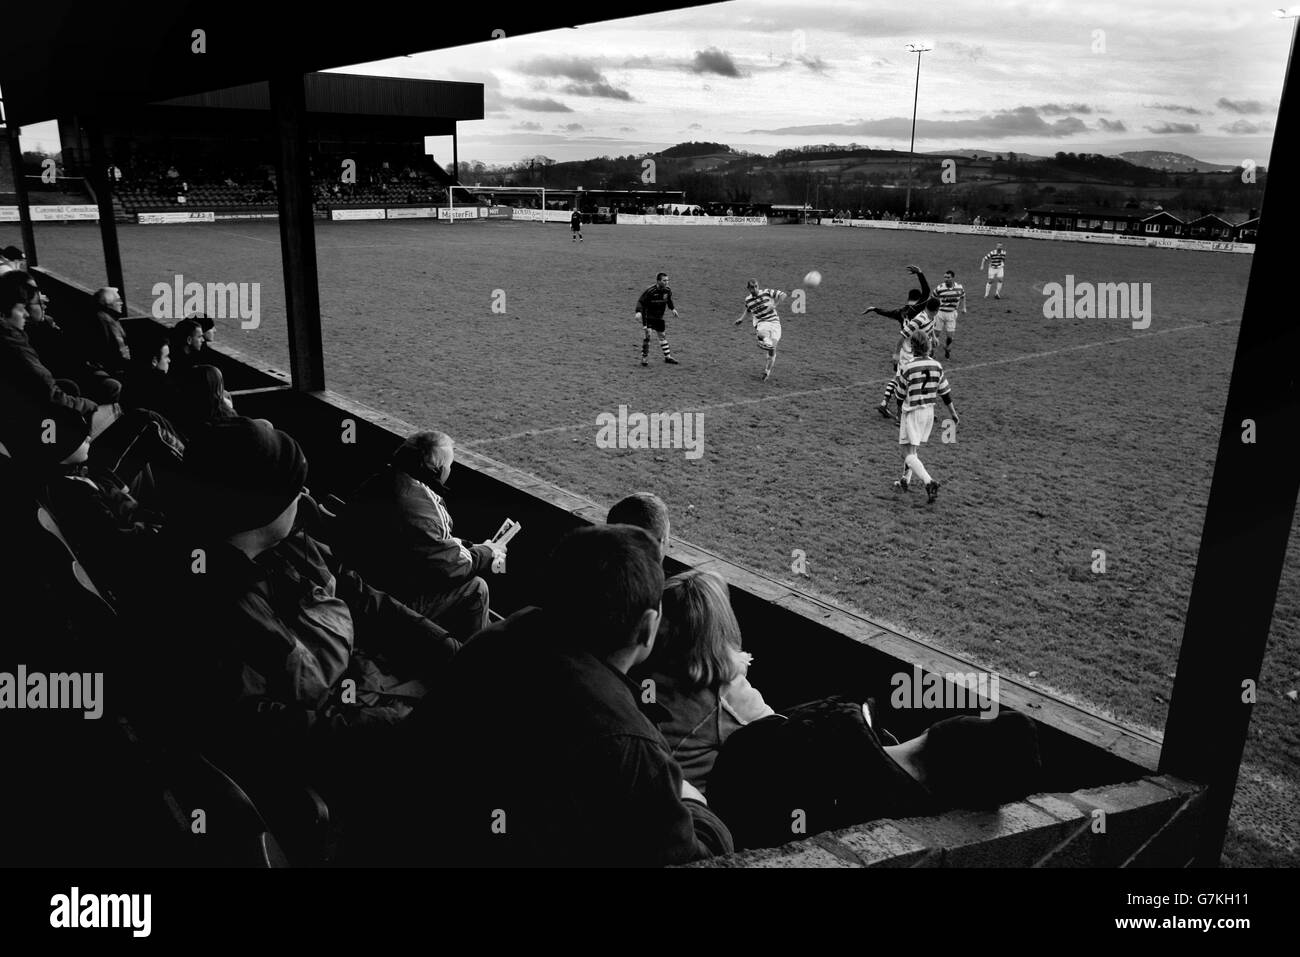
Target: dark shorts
<point x="576" y="227"/>
<point x="651" y="323"/>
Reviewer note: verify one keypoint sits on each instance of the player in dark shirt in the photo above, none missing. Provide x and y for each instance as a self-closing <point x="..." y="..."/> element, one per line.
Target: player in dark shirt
<point x="575" y="225"/>
<point x="650" y="313"/>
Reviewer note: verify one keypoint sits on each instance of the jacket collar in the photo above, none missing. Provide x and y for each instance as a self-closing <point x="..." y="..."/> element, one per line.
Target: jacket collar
<point x="533" y="617"/>
<point x="426" y="478"/>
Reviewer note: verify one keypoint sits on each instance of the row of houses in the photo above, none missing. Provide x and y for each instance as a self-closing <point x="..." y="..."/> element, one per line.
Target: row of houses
<point x="1142" y="222"/>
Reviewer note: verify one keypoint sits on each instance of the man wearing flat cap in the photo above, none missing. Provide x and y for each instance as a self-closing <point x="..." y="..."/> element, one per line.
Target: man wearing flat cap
<point x="283" y="661"/>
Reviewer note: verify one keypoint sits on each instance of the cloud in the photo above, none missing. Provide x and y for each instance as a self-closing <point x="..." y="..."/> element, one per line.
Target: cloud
<point x="716" y="61"/>
<point x="1240" y="106"/>
<point x="1165" y="128"/>
<point x="527" y="125"/>
<point x="1063" y="109"/>
<point x="539" y="104"/>
<point x="1021" y="121"/>
<point x="571" y="127"/>
<point x="695" y="126"/>
<point x="543" y="138"/>
<point x="1111" y="126"/>
<point x="583" y="69"/>
<point x="1176" y="108"/>
<point x="1247" y="128"/>
<point x="971" y="51"/>
<point x="599" y="88"/>
<point x="584" y="73"/>
<point x="627" y="129"/>
<point x="814" y="63"/>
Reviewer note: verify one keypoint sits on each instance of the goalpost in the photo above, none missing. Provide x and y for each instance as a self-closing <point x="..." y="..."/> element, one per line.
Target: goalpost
<point x="469" y="193"/>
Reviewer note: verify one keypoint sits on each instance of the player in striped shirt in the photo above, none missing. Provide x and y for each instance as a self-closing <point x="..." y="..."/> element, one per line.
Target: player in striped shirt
<point x="951" y="295"/>
<point x="916" y="386"/>
<point x="996" y="258"/>
<point x="760" y="306"/>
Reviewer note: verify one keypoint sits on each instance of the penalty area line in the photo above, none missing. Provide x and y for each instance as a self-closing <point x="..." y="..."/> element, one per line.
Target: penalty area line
<point x="864" y="383"/>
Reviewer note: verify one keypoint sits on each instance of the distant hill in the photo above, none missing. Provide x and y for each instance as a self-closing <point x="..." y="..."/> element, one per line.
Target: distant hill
<point x="695" y="149"/>
<point x="982" y="154"/>
<point x="993" y="183"/>
<point x="1174" y="162"/>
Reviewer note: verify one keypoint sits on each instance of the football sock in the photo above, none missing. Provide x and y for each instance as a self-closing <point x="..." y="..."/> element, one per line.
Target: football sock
<point x="645" y="346"/>
<point x="663" y="344"/>
<point x="987" y="287"/>
<point x="914" y="463"/>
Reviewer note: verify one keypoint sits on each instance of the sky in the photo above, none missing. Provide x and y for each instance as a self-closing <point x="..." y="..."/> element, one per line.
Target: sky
<point x="1099" y="76"/>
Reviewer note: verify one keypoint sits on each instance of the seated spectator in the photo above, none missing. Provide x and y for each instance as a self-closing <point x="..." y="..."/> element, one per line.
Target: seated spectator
<point x="59" y="353"/>
<point x="699" y="671"/>
<point x="148" y="385"/>
<point x="829" y="754"/>
<point x="27" y="387"/>
<point x="580" y="775"/>
<point x="644" y="510"/>
<point x="13" y="258"/>
<point x="209" y="327"/>
<point x="106" y="346"/>
<point x="397" y="532"/>
<point x="285" y="662"/>
<point x="103" y="523"/>
<point x="187" y="341"/>
<point x="198" y="399"/>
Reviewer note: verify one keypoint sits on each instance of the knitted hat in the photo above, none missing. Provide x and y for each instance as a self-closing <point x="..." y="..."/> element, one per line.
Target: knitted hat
<point x="245" y="473"/>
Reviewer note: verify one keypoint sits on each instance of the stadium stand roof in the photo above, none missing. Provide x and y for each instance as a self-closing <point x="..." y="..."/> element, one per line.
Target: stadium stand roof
<point x="143" y="52"/>
<point x="355" y="93"/>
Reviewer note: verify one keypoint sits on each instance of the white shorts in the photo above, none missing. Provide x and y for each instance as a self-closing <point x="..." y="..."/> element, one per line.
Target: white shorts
<point x="947" y="321"/>
<point x="995" y="272"/>
<point x="914" y="427"/>
<point x="769" y="334"/>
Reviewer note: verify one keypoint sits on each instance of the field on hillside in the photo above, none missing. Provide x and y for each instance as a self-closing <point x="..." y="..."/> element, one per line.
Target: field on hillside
<point x="1077" y="435"/>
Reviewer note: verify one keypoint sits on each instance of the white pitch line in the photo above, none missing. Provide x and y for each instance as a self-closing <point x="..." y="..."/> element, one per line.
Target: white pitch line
<point x="529" y="433"/>
<point x="256" y="239"/>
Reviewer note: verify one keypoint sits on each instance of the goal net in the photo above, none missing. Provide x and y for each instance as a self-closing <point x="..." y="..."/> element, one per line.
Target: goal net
<point x="497" y="202"/>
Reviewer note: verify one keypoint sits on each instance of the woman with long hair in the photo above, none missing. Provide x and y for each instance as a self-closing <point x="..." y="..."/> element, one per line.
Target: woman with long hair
<point x="698" y="670"/>
<point x="200" y="399"/>
<point x="827" y="762"/>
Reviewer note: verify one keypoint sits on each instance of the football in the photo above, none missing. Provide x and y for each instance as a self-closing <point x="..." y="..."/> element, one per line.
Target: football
<point x="814" y="278"/>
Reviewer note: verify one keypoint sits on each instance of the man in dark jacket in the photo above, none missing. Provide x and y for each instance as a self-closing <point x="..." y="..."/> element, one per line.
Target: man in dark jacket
<point x="60" y="353"/>
<point x="279" y="659"/>
<point x="398" y="533"/>
<point x="27" y="388"/>
<point x="548" y="754"/>
<point x="187" y="341"/>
